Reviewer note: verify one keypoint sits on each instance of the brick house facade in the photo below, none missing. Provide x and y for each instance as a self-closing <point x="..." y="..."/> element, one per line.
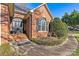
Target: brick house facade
<point x="40" y="13"/>
<point x="35" y="22"/>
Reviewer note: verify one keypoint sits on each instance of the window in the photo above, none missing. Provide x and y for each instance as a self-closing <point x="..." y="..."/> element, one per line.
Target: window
<point x="42" y="25"/>
<point x="17" y="25"/>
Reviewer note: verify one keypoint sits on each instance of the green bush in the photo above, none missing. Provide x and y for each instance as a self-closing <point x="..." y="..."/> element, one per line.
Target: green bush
<point x="58" y="28"/>
<point x="6" y="50"/>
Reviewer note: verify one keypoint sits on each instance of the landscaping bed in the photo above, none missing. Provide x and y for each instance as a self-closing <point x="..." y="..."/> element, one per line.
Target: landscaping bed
<point x="49" y="41"/>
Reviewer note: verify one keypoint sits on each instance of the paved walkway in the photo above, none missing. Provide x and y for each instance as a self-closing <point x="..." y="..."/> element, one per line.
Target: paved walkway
<point x="37" y="50"/>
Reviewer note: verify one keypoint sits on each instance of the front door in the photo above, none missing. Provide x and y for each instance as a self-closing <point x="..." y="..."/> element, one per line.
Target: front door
<point x="17" y="25"/>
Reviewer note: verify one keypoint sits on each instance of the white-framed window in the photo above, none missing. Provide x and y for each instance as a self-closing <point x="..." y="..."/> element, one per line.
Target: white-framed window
<point x="17" y="25"/>
<point x="42" y="25"/>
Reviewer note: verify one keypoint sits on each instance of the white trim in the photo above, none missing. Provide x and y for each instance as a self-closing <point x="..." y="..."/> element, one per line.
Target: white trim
<point x="37" y="7"/>
<point x="42" y="31"/>
<point x="31" y="10"/>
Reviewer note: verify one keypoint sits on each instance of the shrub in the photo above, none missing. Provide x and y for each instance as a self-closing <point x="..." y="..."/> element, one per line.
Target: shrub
<point x="58" y="28"/>
<point x="48" y="41"/>
<point x="6" y="50"/>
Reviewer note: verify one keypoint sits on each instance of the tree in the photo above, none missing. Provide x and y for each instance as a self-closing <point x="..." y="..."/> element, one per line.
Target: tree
<point x="66" y="19"/>
<point x="72" y="19"/>
<point x="75" y="18"/>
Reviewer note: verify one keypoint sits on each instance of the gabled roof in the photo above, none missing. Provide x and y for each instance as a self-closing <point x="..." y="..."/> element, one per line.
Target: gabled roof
<point x="43" y="4"/>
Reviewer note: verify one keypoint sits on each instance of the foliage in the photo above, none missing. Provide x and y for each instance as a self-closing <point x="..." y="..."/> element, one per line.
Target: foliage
<point x="6" y="50"/>
<point x="58" y="28"/>
<point x="72" y="19"/>
<point x="66" y="19"/>
<point x="76" y="53"/>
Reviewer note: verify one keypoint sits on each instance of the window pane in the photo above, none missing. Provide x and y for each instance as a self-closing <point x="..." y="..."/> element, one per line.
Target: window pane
<point x="39" y="26"/>
<point x="47" y="26"/>
<point x="42" y="25"/>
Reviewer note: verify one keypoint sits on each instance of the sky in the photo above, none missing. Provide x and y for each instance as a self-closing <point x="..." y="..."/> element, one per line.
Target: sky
<point x="57" y="9"/>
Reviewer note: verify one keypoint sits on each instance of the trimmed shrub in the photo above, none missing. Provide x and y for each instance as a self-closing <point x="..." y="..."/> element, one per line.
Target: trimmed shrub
<point x="58" y="28"/>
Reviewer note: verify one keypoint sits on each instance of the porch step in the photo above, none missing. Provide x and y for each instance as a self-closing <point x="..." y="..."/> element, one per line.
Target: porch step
<point x="5" y="37"/>
<point x="19" y="37"/>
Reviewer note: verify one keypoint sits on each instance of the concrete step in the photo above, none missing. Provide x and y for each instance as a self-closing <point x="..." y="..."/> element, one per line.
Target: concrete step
<point x="13" y="37"/>
<point x="19" y="37"/>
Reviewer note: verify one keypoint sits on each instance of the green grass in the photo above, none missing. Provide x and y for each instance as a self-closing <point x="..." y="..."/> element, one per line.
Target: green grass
<point x="74" y="32"/>
<point x="76" y="53"/>
<point x="77" y="37"/>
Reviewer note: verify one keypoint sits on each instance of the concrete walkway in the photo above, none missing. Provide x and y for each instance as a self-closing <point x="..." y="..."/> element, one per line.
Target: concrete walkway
<point x="38" y="50"/>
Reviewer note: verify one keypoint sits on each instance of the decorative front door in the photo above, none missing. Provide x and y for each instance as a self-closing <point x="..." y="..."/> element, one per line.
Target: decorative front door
<point x="17" y="25"/>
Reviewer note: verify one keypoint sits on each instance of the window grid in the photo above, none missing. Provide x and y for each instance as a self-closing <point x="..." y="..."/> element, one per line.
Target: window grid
<point x="42" y="25"/>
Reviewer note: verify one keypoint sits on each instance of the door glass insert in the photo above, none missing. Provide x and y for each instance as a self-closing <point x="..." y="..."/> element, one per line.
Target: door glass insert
<point x="17" y="25"/>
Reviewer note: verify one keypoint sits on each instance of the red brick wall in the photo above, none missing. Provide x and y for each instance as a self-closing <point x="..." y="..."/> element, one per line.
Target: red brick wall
<point x="36" y="15"/>
<point x="27" y="25"/>
<point x="4" y="23"/>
